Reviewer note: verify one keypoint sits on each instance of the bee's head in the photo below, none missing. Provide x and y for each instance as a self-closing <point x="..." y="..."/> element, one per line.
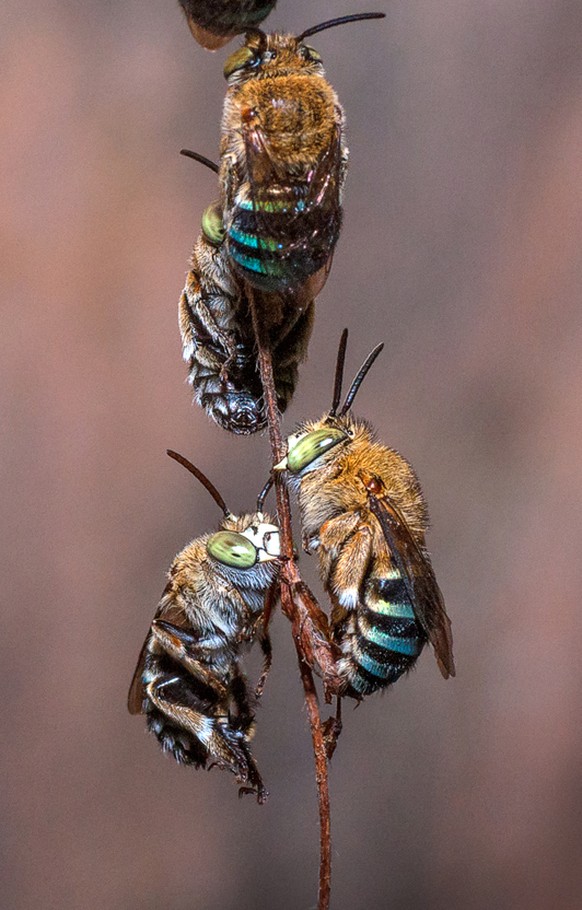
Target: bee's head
<point x="245" y="541"/>
<point x="264" y="55"/>
<point x="317" y="444"/>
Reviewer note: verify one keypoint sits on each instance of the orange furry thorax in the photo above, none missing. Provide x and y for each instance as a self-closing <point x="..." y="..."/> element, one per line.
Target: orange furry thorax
<point x="295" y="115"/>
<point x="341" y="483"/>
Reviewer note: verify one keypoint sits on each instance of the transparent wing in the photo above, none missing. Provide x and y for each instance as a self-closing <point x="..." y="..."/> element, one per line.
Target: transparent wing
<point x="292" y="223"/>
<point x="418" y="575"/>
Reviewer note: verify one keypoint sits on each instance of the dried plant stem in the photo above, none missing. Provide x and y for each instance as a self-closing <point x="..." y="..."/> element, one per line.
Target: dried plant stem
<point x="299" y="605"/>
<point x="321" y="779"/>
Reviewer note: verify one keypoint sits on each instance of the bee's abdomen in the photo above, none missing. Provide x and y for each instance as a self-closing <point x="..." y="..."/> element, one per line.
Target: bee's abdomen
<point x="177" y="687"/>
<point x="277" y="241"/>
<point x="186" y="748"/>
<point x="226" y="383"/>
<point x="225" y="17"/>
<point x="384" y="640"/>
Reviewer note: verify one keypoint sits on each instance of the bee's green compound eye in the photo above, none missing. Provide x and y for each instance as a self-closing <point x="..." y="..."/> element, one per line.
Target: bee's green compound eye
<point x="212" y="225"/>
<point x="237" y="61"/>
<point x="310" y="447"/>
<point x="232" y="549"/>
<point x="312" y="54"/>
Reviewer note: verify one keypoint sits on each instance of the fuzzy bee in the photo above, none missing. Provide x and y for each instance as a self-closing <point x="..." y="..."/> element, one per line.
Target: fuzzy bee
<point x="364" y="514"/>
<point x="217" y="334"/>
<point x="214" y="22"/>
<point x="283" y="161"/>
<point x="188" y="681"/>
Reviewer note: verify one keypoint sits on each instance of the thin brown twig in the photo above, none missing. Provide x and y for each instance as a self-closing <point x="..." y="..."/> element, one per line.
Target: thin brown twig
<point x="307" y="620"/>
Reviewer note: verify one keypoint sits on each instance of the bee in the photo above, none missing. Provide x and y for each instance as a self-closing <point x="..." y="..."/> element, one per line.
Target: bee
<point x="217" y="334"/>
<point x="283" y="161"/>
<point x="188" y="681"/>
<point x="214" y="22"/>
<point x="364" y="514"/>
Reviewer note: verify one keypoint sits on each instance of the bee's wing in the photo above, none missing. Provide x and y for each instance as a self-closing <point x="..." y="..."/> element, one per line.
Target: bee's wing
<point x="418" y="575"/>
<point x="317" y="193"/>
<point x="171" y="612"/>
<point x="136" y="694"/>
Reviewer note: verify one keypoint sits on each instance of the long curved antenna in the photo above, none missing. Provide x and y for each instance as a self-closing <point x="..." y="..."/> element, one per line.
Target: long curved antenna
<point x="359" y="378"/>
<point x="263" y="494"/>
<point x="190" y="154"/>
<point x="341" y="20"/>
<point x="339" y="373"/>
<point x="202" y="478"/>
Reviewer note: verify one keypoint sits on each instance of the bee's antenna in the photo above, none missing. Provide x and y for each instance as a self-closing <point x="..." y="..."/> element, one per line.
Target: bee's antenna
<point x="202" y="478"/>
<point x="341" y="20"/>
<point x="339" y="373"/>
<point x="210" y="164"/>
<point x="263" y="494"/>
<point x="359" y="378"/>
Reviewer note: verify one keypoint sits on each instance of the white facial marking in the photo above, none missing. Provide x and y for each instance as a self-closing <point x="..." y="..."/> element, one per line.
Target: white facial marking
<point x="265" y="538"/>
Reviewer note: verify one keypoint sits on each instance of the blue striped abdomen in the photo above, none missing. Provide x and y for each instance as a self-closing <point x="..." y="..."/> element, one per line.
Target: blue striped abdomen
<point x="384" y="640"/>
<point x="278" y="240"/>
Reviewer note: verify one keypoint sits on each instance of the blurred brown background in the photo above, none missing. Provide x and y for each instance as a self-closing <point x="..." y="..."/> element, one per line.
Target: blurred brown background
<point x="461" y="249"/>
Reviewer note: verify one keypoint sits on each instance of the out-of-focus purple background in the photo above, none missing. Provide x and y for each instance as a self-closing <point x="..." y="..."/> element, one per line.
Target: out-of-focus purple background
<point x="461" y="249"/>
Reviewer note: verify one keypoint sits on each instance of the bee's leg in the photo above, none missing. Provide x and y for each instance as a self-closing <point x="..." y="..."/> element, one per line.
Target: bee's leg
<point x="197" y="325"/>
<point x="249" y="774"/>
<point x="226" y="340"/>
<point x="183" y="646"/>
<point x="267" y="649"/>
<point x="347" y="573"/>
<point x="345" y="547"/>
<point x="257" y="787"/>
<point x="265" y="640"/>
<point x="189" y="342"/>
<point x="245" y="729"/>
<point x="229" y="176"/>
<point x="244" y="717"/>
<point x="204" y="361"/>
<point x="215" y="740"/>
<point x="332" y="729"/>
<point x="196" y="319"/>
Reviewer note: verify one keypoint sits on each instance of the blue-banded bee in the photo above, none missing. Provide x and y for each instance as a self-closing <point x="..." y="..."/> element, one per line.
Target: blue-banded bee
<point x="283" y="161"/>
<point x="214" y="22"/>
<point x="188" y="681"/>
<point x="217" y="334"/>
<point x="364" y="514"/>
